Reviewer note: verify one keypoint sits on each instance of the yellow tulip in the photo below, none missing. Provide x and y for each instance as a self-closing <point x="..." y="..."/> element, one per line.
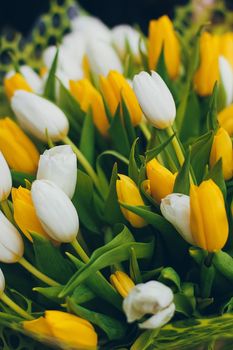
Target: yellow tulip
<point x="208" y="218"/>
<point x="25" y="214"/>
<point x="226" y="46"/>
<point x="15" y="82"/>
<point x="161" y="180"/>
<point x="225" y="119"/>
<point x="115" y="88"/>
<point x="122" y="283"/>
<point x="128" y="193"/>
<point x="18" y="150"/>
<point x="163" y="36"/>
<point x="89" y="97"/>
<point x="222" y="148"/>
<point x="64" y="329"/>
<point x="208" y="71"/>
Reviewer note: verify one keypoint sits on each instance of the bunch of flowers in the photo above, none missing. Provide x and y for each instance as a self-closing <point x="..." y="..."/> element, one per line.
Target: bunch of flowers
<point x="116" y="190"/>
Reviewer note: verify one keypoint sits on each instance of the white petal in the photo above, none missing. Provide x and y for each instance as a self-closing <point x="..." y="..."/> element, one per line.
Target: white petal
<point x="5" y="179"/>
<point x="160" y="319"/>
<point x="226" y="73"/>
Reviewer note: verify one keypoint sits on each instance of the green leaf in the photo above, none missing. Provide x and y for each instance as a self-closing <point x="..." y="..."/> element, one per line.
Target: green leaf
<point x="197" y="254"/>
<point x="83" y="294"/>
<point x="135" y="272"/>
<point x="224" y="264"/>
<point x="133" y="171"/>
<point x="113" y="328"/>
<point x="50" y="292"/>
<point x="152" y="153"/>
<point x="128" y="123"/>
<point x="119" y="135"/>
<point x="182" y="182"/>
<point x="212" y="122"/>
<point x="87" y="141"/>
<point x="19" y="178"/>
<point x="169" y="274"/>
<point x="50" y="85"/>
<point x="207" y="279"/>
<point x="192" y="119"/>
<point x="216" y="175"/>
<point x="183" y="305"/>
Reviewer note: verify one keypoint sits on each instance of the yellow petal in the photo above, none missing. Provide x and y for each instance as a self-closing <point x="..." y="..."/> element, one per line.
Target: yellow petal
<point x="122" y="283"/>
<point x="14" y="83"/>
<point x="225" y="119"/>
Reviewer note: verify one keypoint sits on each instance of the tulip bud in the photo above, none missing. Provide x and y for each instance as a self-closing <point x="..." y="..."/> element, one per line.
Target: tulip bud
<point x="64" y="329"/>
<point x="55" y="211"/>
<point x="36" y="115"/>
<point x="15" y="82"/>
<point x="59" y="165"/>
<point x="208" y="218"/>
<point x="161" y="180"/>
<point x="155" y="99"/>
<point x="149" y="298"/>
<point x="176" y="209"/>
<point x="102" y="58"/>
<point x="226" y="74"/>
<point x="222" y="148"/>
<point x="128" y="193"/>
<point x="225" y="119"/>
<point x="18" y="150"/>
<point x="91" y="27"/>
<point x="6" y="181"/>
<point x="11" y="243"/>
<point x="163" y="36"/>
<point x="2" y="283"/>
<point x="122" y="283"/>
<point x="32" y="78"/>
<point x="226" y="47"/>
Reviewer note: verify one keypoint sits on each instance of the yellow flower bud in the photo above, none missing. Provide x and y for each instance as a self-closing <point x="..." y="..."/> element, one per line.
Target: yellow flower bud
<point x="163" y="36"/>
<point x="208" y="218"/>
<point x="128" y="193"/>
<point x="88" y="96"/>
<point x="25" y="214"/>
<point x="122" y="283"/>
<point x="208" y="71"/>
<point x="15" y="82"/>
<point x="226" y="46"/>
<point x="64" y="329"/>
<point x="114" y="88"/>
<point x="225" y="119"/>
<point x="222" y="148"/>
<point x="18" y="150"/>
<point x="161" y="180"/>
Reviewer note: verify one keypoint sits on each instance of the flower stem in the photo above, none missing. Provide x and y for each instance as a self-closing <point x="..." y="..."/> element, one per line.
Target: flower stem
<point x="176" y="146"/>
<point x="9" y="302"/>
<point x="7" y="210"/>
<point x="37" y="273"/>
<point x="80" y="251"/>
<point x="86" y="165"/>
<point x="145" y="131"/>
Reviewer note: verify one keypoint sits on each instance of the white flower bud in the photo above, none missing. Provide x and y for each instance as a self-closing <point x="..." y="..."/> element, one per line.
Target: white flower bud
<point x="226" y="74"/>
<point x="11" y="242"/>
<point x="155" y="99"/>
<point x="2" y="283"/>
<point x="103" y="58"/>
<point x="36" y="115"/>
<point x="91" y="27"/>
<point x="149" y="298"/>
<point x="59" y="165"/>
<point x="176" y="209"/>
<point x="55" y="211"/>
<point x="5" y="179"/>
<point x="31" y="77"/>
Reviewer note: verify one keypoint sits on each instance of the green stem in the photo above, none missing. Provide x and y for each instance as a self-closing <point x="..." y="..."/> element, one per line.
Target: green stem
<point x="7" y="210"/>
<point x="80" y="251"/>
<point x="145" y="131"/>
<point x="83" y="161"/>
<point x="176" y="146"/>
<point x="37" y="273"/>
<point x="12" y="305"/>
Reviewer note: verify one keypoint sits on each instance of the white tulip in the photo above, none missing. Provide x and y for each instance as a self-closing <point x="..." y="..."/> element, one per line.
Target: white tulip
<point x="155" y="99"/>
<point x="11" y="242"/>
<point x="103" y="58"/>
<point x="31" y="77"/>
<point x="55" y="211"/>
<point x="76" y="43"/>
<point x="226" y="74"/>
<point x="36" y="115"/>
<point x="5" y="179"/>
<point x="59" y="165"/>
<point x="176" y="209"/>
<point x="91" y="27"/>
<point x="149" y="298"/>
<point x="2" y="283"/>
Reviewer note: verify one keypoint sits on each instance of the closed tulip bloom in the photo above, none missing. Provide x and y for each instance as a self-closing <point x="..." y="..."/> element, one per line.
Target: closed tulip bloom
<point x="32" y="78"/>
<point x="55" y="211"/>
<point x="18" y="150"/>
<point x="2" y="283"/>
<point x="6" y="180"/>
<point x="11" y="243"/>
<point x="115" y="88"/>
<point x="59" y="165"/>
<point x="151" y="298"/>
<point x="36" y="115"/>
<point x="128" y="193"/>
<point x="91" y="27"/>
<point x="226" y="74"/>
<point x="163" y="36"/>
<point x="25" y="214"/>
<point x="208" y="218"/>
<point x="155" y="99"/>
<point x="226" y="46"/>
<point x="15" y="82"/>
<point x="161" y="180"/>
<point x="64" y="329"/>
<point x="225" y="119"/>
<point x="222" y="148"/>
<point x="208" y="71"/>
<point x="89" y="97"/>
<point x="122" y="283"/>
<point x="176" y="209"/>
<point x="102" y="58"/>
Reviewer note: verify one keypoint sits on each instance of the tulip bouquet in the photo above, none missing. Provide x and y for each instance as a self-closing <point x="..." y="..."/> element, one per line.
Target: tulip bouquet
<point x="116" y="182"/>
